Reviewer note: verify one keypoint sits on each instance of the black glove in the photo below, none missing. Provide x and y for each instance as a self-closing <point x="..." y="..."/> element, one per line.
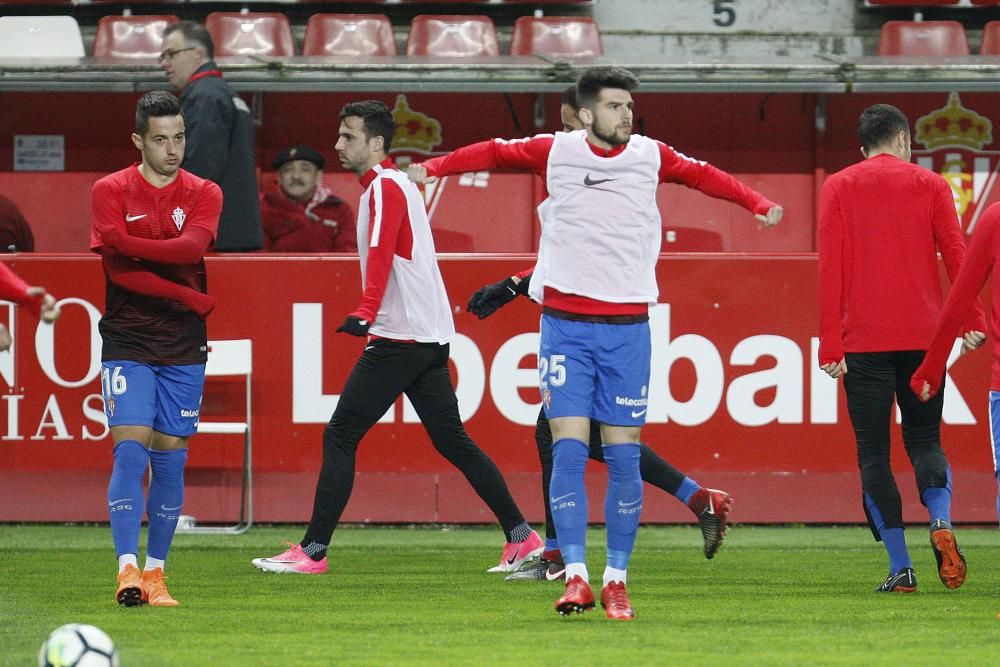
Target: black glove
<point x="354" y="326"/>
<point x="488" y="299"/>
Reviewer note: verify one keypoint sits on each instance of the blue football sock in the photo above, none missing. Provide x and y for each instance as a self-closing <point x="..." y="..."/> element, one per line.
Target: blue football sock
<point x="937" y="500"/>
<point x="687" y="489"/>
<point x="892" y="538"/>
<point x="623" y="502"/>
<point x="551" y="544"/>
<point x="166" y="496"/>
<point x="568" y="498"/>
<point x="125" y="495"/>
<point x="998" y="497"/>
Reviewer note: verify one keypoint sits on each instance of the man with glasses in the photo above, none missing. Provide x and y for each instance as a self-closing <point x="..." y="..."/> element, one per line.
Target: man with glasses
<point x="220" y="132"/>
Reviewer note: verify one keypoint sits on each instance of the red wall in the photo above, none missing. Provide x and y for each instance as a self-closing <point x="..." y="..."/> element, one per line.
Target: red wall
<point x="736" y="399"/>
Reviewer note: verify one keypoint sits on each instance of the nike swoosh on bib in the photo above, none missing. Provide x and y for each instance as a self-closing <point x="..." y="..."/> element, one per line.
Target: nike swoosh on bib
<point x="131" y="218"/>
<point x="588" y="181"/>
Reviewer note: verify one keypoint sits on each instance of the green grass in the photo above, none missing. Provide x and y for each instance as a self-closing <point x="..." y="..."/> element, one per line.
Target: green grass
<point x="421" y="596"/>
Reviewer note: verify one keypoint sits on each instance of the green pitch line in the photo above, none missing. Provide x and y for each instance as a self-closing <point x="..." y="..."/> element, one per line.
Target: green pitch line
<point x="421" y="596"/>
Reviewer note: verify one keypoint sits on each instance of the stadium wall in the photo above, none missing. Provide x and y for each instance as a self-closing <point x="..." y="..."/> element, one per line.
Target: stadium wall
<point x="736" y="399"/>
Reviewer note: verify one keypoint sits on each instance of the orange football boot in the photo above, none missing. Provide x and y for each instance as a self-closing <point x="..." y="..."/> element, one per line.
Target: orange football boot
<point x="129" y="587"/>
<point x="154" y="589"/>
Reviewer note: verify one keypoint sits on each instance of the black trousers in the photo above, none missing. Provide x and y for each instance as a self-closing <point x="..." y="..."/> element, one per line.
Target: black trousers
<point x="653" y="469"/>
<point x="385" y="370"/>
<point x="873" y="379"/>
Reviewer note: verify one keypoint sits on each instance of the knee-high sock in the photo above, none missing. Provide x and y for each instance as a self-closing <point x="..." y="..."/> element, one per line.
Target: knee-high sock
<point x="125" y="495"/>
<point x="568" y="498"/>
<point x="892" y="538"/>
<point x="937" y="500"/>
<point x="623" y="502"/>
<point x="166" y="496"/>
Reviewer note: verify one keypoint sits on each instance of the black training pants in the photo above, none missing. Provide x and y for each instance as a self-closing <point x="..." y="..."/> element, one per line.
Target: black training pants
<point x="385" y="370"/>
<point x="873" y="379"/>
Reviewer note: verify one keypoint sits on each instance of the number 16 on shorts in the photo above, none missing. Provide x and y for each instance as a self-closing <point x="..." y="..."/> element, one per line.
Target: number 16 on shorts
<point x="113" y="383"/>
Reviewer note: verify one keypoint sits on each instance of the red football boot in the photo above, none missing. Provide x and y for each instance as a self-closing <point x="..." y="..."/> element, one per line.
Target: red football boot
<point x="577" y="598"/>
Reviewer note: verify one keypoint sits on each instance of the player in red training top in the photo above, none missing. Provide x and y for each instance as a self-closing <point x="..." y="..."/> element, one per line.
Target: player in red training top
<point x="979" y="265"/>
<point x="406" y="317"/>
<point x="596" y="279"/>
<point x="881" y="223"/>
<point x="152" y="224"/>
<point x="36" y="299"/>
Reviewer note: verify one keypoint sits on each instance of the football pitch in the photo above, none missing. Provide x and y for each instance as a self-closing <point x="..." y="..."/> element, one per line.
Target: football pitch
<point x="421" y="596"/>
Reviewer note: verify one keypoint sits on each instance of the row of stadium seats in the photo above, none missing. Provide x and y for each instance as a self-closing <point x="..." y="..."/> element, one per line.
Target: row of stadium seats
<point x="934" y="38"/>
<point x="929" y="3"/>
<point x="270" y="34"/>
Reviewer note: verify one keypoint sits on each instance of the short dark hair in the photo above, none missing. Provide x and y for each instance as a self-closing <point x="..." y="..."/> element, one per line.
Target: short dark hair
<point x="154" y="104"/>
<point x="569" y="98"/>
<point x="879" y="123"/>
<point x="594" y="80"/>
<point x="195" y="34"/>
<point x="376" y="117"/>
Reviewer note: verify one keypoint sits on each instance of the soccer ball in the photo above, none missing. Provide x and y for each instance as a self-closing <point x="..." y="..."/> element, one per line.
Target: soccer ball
<point x="78" y="645"/>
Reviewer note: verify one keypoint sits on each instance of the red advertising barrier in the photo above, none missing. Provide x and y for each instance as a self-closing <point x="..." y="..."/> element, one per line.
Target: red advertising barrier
<point x="736" y="399"/>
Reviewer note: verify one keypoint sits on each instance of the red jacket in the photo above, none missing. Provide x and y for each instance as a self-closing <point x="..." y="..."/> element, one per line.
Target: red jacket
<point x="324" y="224"/>
<point x="881" y="223"/>
<point x="979" y="265"/>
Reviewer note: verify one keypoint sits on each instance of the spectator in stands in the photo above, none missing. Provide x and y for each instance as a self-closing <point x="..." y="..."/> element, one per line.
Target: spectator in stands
<point x="881" y="224"/>
<point x="36" y="299"/>
<point x="15" y="233"/>
<point x="711" y="506"/>
<point x="300" y="213"/>
<point x="220" y="132"/>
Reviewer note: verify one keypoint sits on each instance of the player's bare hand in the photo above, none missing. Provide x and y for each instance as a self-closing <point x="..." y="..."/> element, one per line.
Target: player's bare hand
<point x="48" y="309"/>
<point x="418" y="174"/>
<point x="773" y="216"/>
<point x="835" y="370"/>
<point x="925" y="392"/>
<point x="5" y="340"/>
<point x="972" y="340"/>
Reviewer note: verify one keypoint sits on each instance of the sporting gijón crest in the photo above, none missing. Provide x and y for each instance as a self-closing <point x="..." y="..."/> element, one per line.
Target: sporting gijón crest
<point x="954" y="138"/>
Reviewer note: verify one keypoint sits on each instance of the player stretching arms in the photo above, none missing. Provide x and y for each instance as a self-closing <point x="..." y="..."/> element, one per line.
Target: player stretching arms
<point x="405" y="314"/>
<point x="595" y="276"/>
<point x="152" y="223"/>
<point x="36" y="299"/>
<point x="711" y="506"/>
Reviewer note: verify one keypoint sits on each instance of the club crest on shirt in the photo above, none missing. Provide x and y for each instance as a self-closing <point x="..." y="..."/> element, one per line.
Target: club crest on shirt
<point x="111" y="407"/>
<point x="179" y="216"/>
<point x="954" y="137"/>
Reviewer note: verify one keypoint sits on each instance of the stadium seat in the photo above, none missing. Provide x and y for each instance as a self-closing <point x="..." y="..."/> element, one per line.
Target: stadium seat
<point x="40" y="37"/>
<point x="349" y="35"/>
<point x="452" y="36"/>
<point x="557" y="36"/>
<point x="231" y="358"/>
<point x="691" y="239"/>
<point x="913" y="3"/>
<point x="131" y="36"/>
<point x="990" y="45"/>
<point x="447" y="240"/>
<point x="923" y="38"/>
<point x="250" y="34"/>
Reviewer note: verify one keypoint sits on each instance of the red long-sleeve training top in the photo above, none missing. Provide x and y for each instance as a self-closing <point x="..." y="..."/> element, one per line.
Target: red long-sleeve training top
<point x="880" y="224"/>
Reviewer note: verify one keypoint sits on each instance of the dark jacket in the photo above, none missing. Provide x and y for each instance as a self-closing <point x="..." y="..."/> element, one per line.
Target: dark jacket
<point x="220" y="147"/>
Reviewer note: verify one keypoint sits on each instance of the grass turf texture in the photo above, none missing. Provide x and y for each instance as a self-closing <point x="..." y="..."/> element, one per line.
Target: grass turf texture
<point x="412" y="596"/>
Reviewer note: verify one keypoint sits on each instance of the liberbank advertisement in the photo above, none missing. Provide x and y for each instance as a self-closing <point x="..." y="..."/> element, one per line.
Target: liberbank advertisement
<point x="735" y="399"/>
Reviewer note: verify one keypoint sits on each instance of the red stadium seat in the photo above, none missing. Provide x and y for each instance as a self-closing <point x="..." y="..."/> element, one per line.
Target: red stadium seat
<point x="349" y="35"/>
<point x="130" y="36"/>
<point x="986" y="3"/>
<point x="558" y="36"/>
<point x="923" y="38"/>
<point x="990" y="45"/>
<point x="446" y="240"/>
<point x="452" y="36"/>
<point x="913" y="3"/>
<point x="250" y="34"/>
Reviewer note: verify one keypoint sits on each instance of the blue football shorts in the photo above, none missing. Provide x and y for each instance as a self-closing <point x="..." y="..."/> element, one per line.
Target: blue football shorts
<point x="995" y="427"/>
<point x="595" y="370"/>
<point x="167" y="398"/>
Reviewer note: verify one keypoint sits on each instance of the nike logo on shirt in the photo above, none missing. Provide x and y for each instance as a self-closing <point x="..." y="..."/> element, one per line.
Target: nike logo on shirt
<point x="588" y="181"/>
<point x="131" y="218"/>
<point x="639" y="413"/>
